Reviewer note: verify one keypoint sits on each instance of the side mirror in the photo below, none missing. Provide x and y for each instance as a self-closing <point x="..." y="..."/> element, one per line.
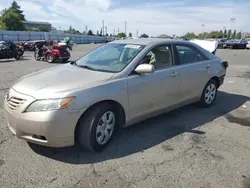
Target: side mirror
<point x="145" y="68"/>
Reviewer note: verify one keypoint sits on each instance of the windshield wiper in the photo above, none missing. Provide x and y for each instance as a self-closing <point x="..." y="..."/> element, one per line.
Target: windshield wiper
<point x="87" y="67"/>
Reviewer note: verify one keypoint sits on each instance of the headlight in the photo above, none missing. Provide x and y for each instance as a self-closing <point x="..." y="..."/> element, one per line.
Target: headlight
<point x="50" y="104"/>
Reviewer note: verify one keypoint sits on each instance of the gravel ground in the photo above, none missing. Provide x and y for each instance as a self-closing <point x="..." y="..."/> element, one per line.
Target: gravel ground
<point x="189" y="147"/>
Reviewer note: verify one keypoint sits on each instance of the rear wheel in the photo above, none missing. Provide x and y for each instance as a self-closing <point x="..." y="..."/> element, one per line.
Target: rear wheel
<point x="209" y="94"/>
<point x="50" y="58"/>
<point x="18" y="56"/>
<point x="97" y="127"/>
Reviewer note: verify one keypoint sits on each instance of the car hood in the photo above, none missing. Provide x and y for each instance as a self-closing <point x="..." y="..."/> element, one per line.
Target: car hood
<point x="57" y="80"/>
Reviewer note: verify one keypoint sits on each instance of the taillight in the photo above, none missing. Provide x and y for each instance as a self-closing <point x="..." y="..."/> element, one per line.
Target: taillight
<point x="224" y="64"/>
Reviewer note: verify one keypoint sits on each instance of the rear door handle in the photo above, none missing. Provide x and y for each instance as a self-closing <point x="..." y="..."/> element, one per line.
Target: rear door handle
<point x="174" y="74"/>
<point x="207" y="66"/>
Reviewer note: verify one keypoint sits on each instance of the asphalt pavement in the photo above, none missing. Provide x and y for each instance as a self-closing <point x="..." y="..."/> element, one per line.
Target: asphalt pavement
<point x="189" y="147"/>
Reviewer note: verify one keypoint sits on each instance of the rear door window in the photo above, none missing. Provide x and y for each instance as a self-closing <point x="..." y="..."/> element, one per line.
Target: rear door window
<point x="188" y="54"/>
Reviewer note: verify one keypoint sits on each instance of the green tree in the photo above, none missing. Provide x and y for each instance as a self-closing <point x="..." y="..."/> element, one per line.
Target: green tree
<point x="43" y="29"/>
<point x="215" y="34"/>
<point x="12" y="20"/>
<point x="238" y="35"/>
<point x="2" y="26"/>
<point x="229" y="32"/>
<point x="90" y="32"/>
<point x="225" y="33"/>
<point x="17" y="9"/>
<point x="200" y="36"/>
<point x="130" y="34"/>
<point x="234" y="34"/>
<point x="190" y="35"/>
<point x="121" y="35"/>
<point x="77" y="32"/>
<point x="221" y="34"/>
<point x="144" y="35"/>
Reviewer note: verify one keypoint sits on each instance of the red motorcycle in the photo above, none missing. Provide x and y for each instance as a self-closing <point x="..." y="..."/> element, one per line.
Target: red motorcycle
<point x="52" y="54"/>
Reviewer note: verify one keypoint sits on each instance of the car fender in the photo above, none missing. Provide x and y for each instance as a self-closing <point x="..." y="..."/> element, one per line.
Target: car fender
<point x="113" y="90"/>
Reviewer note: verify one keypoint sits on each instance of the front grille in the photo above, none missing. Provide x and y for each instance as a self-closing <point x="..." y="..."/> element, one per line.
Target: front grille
<point x="14" y="102"/>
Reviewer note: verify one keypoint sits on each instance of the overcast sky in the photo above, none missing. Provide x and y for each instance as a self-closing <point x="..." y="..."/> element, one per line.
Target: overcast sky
<point x="153" y="17"/>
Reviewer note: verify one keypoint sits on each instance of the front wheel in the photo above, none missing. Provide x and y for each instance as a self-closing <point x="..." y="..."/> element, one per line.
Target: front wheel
<point x="97" y="127"/>
<point x="50" y="58"/>
<point x="209" y="94"/>
<point x="36" y="56"/>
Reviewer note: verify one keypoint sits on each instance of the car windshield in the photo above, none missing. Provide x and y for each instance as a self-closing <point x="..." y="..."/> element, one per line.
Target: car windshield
<point x="111" y="57"/>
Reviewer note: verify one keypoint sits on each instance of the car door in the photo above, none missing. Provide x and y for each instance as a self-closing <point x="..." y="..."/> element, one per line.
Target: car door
<point x="151" y="92"/>
<point x="193" y="68"/>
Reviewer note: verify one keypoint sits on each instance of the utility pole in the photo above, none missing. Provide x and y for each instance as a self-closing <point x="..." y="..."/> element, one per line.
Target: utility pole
<point x="102" y="27"/>
<point x="86" y="29"/>
<point x="125" y="28"/>
<point x="118" y="31"/>
<point x="137" y="33"/>
<point x="114" y="32"/>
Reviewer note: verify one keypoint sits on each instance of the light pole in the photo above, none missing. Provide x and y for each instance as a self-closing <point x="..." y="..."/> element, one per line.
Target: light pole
<point x="232" y="21"/>
<point x="102" y="27"/>
<point x="106" y="30"/>
<point x="224" y="28"/>
<point x="241" y="32"/>
<point x="203" y="31"/>
<point x="125" y="28"/>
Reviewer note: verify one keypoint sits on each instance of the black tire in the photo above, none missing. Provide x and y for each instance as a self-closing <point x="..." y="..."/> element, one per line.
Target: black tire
<point x="86" y="132"/>
<point x="65" y="60"/>
<point x="50" y="58"/>
<point x="203" y="100"/>
<point x="17" y="56"/>
<point x="36" y="56"/>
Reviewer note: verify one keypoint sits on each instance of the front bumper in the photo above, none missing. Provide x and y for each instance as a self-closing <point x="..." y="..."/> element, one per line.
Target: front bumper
<point x="221" y="80"/>
<point x="52" y="128"/>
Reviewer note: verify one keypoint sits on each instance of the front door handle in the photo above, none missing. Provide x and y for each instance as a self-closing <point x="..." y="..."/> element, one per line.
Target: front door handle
<point x="174" y="74"/>
<point x="207" y="66"/>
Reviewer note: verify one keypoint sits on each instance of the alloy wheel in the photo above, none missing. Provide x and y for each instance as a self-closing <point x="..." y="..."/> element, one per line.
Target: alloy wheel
<point x="210" y="93"/>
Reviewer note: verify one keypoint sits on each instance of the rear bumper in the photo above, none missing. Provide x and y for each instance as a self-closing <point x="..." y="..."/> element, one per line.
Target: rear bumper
<point x="64" y="57"/>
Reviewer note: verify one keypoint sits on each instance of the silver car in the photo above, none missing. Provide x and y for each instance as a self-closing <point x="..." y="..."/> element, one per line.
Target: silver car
<point x="117" y="84"/>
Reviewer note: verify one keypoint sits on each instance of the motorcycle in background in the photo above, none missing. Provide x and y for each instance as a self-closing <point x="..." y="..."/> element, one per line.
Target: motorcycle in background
<point x="67" y="42"/>
<point x="9" y="49"/>
<point x="53" y="53"/>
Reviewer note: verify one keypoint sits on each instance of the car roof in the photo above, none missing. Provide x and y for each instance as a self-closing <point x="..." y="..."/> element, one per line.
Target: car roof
<point x="148" y="41"/>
